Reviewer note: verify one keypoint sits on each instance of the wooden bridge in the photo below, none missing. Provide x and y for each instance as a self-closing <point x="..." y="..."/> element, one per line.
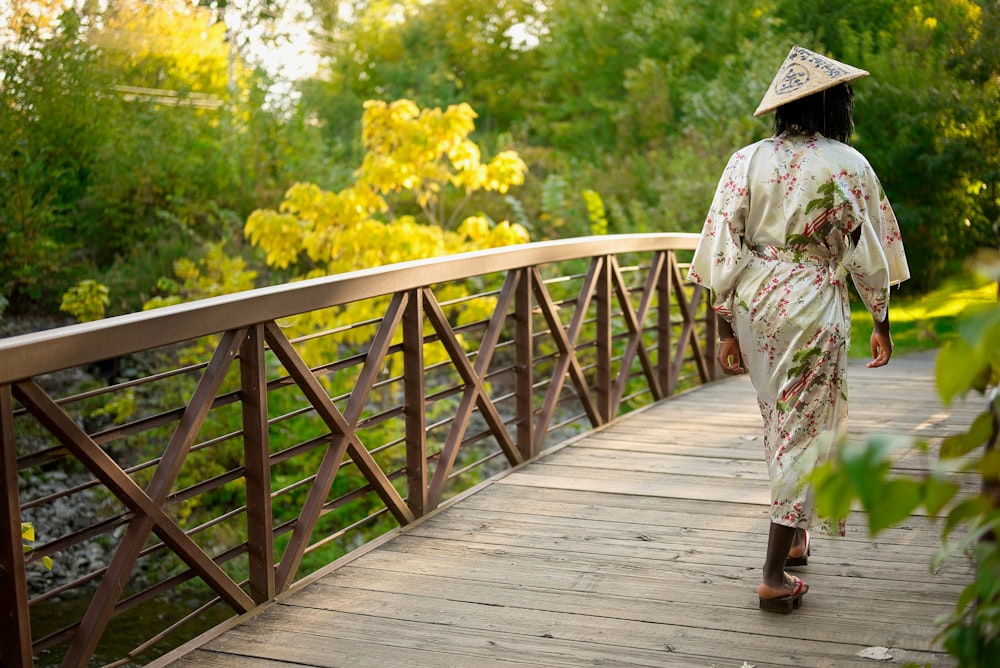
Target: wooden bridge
<point x="206" y="463"/>
<point x="639" y="544"/>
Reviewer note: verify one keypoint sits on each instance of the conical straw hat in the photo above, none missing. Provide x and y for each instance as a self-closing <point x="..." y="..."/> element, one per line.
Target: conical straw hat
<point x="803" y="73"/>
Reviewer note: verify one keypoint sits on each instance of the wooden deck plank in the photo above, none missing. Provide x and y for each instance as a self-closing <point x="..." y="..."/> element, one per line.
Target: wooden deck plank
<point x="637" y="545"/>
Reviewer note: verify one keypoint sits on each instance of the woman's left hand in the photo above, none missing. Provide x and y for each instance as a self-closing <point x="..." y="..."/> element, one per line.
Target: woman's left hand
<point x="730" y="358"/>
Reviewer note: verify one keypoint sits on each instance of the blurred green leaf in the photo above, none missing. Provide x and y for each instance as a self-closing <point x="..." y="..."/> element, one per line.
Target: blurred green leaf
<point x="989" y="465"/>
<point x="965" y="442"/>
<point x="964" y="512"/>
<point x="957" y="369"/>
<point x="937" y="493"/>
<point x="895" y="500"/>
<point x="834" y="491"/>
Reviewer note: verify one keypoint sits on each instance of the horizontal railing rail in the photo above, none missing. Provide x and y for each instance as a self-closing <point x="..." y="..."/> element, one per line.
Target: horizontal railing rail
<point x="187" y="464"/>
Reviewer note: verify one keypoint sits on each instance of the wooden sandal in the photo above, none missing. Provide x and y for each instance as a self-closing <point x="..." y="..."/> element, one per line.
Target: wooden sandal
<point x="788" y="602"/>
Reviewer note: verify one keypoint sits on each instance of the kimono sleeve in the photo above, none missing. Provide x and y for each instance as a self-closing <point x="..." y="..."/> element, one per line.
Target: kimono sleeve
<point x="878" y="261"/>
<point x="721" y="256"/>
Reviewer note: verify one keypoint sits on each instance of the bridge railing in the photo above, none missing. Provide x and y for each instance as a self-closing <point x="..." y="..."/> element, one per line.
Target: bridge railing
<point x="187" y="464"/>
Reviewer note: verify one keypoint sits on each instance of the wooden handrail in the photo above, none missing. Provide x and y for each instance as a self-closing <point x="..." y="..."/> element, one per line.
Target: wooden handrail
<point x="315" y="435"/>
<point x="42" y="352"/>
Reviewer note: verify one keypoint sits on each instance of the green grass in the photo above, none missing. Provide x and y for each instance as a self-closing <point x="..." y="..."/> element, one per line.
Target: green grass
<point x="922" y="322"/>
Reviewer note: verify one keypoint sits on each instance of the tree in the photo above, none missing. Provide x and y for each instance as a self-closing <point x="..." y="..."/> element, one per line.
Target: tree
<point x="423" y="153"/>
<point x="437" y="53"/>
<point x="924" y="127"/>
<point x="128" y="145"/>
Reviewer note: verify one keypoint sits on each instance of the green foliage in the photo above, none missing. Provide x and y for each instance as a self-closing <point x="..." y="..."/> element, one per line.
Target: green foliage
<point x="123" y="152"/>
<point x="215" y="273"/>
<point x="467" y="53"/>
<point x="862" y="473"/>
<point x="129" y="143"/>
<point x="50" y="123"/>
<point x="971" y="361"/>
<point x="850" y="477"/>
<point x="929" y="129"/>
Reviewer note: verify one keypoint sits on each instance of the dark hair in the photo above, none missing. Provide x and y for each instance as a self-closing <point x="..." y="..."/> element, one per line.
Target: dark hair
<point x="829" y="112"/>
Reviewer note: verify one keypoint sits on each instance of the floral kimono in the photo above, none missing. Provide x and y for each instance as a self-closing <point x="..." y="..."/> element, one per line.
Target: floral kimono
<point x="776" y="250"/>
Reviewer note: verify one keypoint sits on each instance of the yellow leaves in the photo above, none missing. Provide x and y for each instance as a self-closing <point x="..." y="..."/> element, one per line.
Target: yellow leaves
<point x="274" y="232"/>
<point x="506" y="233"/>
<point x="476" y="228"/>
<point x="317" y="223"/>
<point x="505" y="170"/>
<point x="303" y="199"/>
<point x="423" y="151"/>
<point x="478" y="233"/>
<point x="87" y="300"/>
<point x="28" y="536"/>
<point x="470" y="174"/>
<point x="595" y="212"/>
<point x="464" y="156"/>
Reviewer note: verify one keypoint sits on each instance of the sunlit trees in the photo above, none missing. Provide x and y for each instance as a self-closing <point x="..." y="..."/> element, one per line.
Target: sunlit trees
<point x="132" y="132"/>
<point x="141" y="129"/>
<point x="168" y="45"/>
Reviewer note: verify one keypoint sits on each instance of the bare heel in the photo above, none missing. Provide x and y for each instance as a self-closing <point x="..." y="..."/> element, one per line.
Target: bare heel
<point x="802" y="560"/>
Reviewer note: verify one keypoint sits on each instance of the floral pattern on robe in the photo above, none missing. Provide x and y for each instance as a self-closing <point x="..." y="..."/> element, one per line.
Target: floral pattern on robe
<point x="776" y="250"/>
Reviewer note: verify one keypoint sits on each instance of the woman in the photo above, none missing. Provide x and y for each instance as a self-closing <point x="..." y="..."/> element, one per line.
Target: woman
<point x="792" y="217"/>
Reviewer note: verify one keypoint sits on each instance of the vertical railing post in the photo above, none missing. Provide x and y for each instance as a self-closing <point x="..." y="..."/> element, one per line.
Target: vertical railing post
<point x="256" y="455"/>
<point x="15" y="620"/>
<point x="413" y="400"/>
<point x="664" y="323"/>
<point x="524" y="352"/>
<point x="602" y="302"/>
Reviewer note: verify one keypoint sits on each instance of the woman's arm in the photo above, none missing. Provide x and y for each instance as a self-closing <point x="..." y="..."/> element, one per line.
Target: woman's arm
<point x="725" y="328"/>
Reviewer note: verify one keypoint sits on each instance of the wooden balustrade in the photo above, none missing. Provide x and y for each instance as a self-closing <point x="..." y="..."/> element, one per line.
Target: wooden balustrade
<point x="245" y="441"/>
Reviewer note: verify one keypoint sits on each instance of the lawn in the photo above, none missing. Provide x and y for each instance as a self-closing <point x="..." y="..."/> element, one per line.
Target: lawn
<point x="922" y="322"/>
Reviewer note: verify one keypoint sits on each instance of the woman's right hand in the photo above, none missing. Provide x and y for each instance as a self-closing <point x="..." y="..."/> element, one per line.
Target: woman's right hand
<point x="881" y="344"/>
<point x="730" y="358"/>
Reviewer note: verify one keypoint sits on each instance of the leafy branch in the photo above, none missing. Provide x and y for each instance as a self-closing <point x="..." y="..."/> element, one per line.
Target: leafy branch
<point x="862" y="473"/>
